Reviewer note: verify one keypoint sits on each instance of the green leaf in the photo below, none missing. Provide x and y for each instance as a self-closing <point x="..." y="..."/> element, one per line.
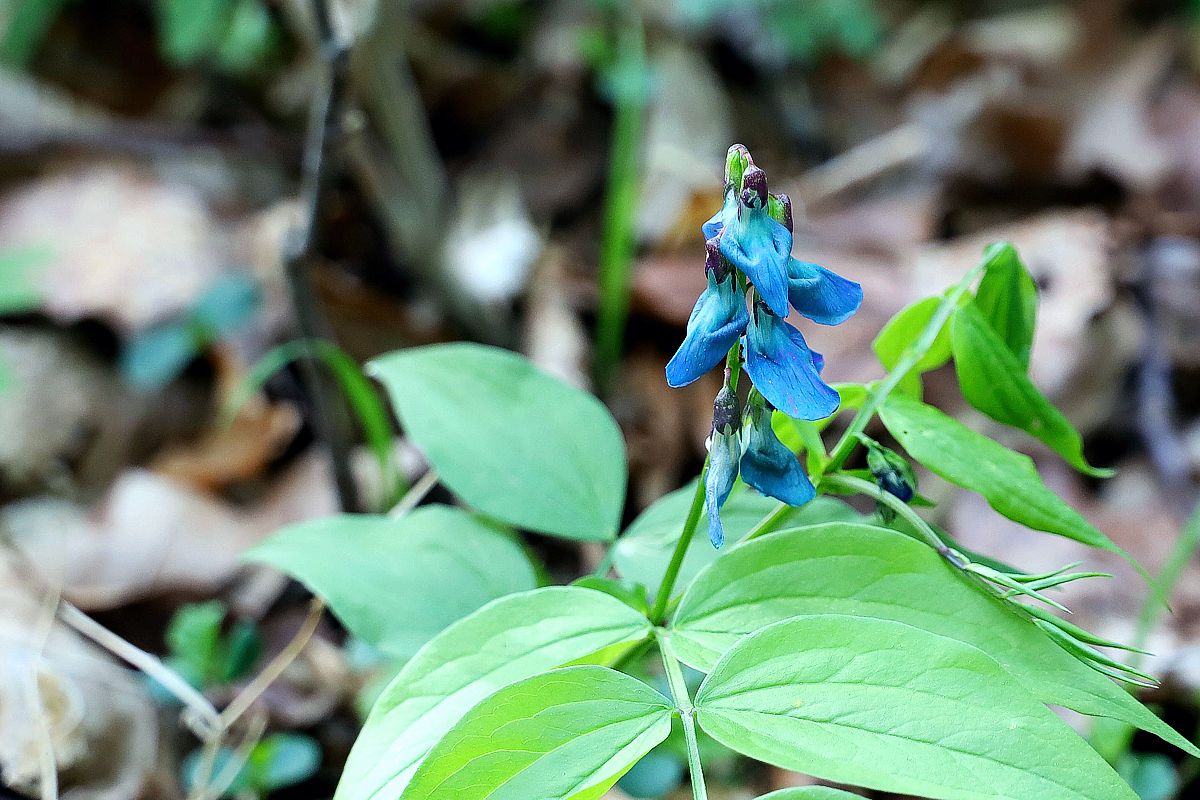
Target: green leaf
<point x="884" y="705"/>
<point x="569" y="734"/>
<point x="189" y="30"/>
<point x="811" y="793"/>
<point x="862" y="570"/>
<point x="194" y="640"/>
<point x="20" y="289"/>
<point x="155" y="357"/>
<point x="644" y="550"/>
<point x="283" y="759"/>
<point x="507" y="640"/>
<point x="1007" y="480"/>
<point x="903" y="330"/>
<point x="24" y="28"/>
<point x="510" y="440"/>
<point x="1008" y="299"/>
<point x="398" y="582"/>
<point x="994" y="381"/>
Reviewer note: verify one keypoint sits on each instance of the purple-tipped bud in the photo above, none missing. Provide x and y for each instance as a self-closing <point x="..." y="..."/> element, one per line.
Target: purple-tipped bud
<point x="714" y="263"/>
<point x="754" y="188"/>
<point x="737" y="157"/>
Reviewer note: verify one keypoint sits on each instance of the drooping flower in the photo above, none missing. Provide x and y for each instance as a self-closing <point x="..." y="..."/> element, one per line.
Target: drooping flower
<point x="717" y="320"/>
<point x="752" y="240"/>
<point x="821" y="295"/>
<point x="768" y="465"/>
<point x="784" y="370"/>
<point x="724" y="453"/>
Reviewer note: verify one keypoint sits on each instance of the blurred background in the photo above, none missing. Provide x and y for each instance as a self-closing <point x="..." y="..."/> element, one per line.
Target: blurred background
<point x="187" y="184"/>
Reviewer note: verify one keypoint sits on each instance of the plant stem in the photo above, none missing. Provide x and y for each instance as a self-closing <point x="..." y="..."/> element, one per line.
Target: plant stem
<point x="617" y="245"/>
<point x="1164" y="584"/>
<point x="901" y="508"/>
<point x="663" y="596"/>
<point x="912" y="357"/>
<point x="687" y="712"/>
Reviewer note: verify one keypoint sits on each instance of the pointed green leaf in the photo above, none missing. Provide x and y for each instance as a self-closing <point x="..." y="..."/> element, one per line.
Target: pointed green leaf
<point x="510" y="440"/>
<point x="994" y="381"/>
<point x="863" y="570"/>
<point x="1008" y="298"/>
<point x="569" y="734"/>
<point x="398" y="582"/>
<point x="884" y="705"/>
<point x="507" y="640"/>
<point x="1007" y="480"/>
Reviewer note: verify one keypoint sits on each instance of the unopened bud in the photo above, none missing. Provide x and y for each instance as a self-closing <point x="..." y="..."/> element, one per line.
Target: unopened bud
<point x="726" y="418"/>
<point x="779" y="206"/>
<point x="754" y="187"/>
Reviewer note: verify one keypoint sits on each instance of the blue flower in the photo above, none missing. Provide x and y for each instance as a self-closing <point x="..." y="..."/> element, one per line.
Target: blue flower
<point x="784" y="370"/>
<point x="752" y="241"/>
<point x="891" y="471"/>
<point x="724" y="453"/>
<point x="821" y="295"/>
<point x="718" y="319"/>
<point x="770" y="467"/>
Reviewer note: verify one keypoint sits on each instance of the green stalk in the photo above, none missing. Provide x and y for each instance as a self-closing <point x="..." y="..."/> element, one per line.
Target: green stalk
<point x="890" y="500"/>
<point x="687" y="712"/>
<point x="663" y="596"/>
<point x="911" y="358"/>
<point x="618" y="242"/>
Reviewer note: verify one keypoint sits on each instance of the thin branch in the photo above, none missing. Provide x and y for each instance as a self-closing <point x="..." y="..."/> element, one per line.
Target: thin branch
<point x="202" y="709"/>
<point x="275" y="668"/>
<point x="415" y="494"/>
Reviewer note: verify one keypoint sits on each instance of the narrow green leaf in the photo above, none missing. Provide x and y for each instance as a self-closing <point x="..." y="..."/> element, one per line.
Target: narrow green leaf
<point x="510" y="440"/>
<point x="863" y="570"/>
<point x="884" y="705"/>
<point x="398" y="582"/>
<point x="373" y="418"/>
<point x="644" y="550"/>
<point x="568" y="734"/>
<point x="994" y="381"/>
<point x="1007" y="480"/>
<point x="1008" y="298"/>
<point x="508" y="640"/>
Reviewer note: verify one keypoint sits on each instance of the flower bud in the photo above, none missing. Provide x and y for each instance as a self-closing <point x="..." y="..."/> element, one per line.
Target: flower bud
<point x="891" y="472"/>
<point x="754" y="187"/>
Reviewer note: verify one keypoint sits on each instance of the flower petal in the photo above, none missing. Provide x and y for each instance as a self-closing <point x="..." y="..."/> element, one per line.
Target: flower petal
<point x="718" y="319"/>
<point x="821" y="295"/>
<point x="770" y="467"/>
<point x="760" y="247"/>
<point x="785" y="371"/>
<point x="723" y="456"/>
<point x="716" y="222"/>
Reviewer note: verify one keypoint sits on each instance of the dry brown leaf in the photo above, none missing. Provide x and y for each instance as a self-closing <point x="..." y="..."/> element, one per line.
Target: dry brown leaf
<point x="125" y="247"/>
<point x="151" y="535"/>
<point x="102" y="723"/>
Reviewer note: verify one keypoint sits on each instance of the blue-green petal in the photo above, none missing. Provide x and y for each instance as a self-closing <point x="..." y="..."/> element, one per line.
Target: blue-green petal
<point x="821" y="295"/>
<point x="784" y="370"/>
<point x="760" y="247"/>
<point x="717" y="320"/>
<point x="770" y="467"/>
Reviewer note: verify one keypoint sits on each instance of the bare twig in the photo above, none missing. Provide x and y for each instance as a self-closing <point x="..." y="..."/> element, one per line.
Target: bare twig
<point x="278" y="664"/>
<point x="415" y="494"/>
<point x="329" y="413"/>
<point x="47" y="763"/>
<point x="203" y="712"/>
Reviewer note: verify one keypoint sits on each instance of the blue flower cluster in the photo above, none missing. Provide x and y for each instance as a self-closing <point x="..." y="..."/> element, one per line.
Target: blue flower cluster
<point x="749" y="262"/>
